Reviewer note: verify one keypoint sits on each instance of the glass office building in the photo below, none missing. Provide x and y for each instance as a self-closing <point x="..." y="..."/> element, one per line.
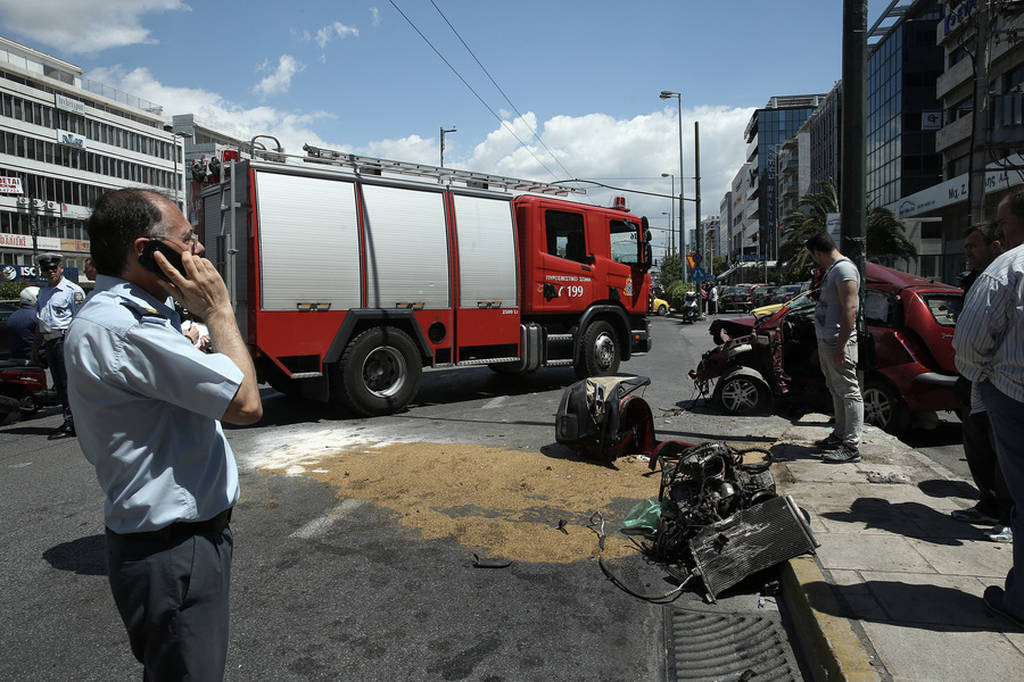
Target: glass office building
<point x="766" y="132"/>
<point x="903" y="112"/>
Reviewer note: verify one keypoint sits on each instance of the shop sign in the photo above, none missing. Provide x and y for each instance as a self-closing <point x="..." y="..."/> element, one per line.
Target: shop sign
<point x="70" y="139"/>
<point x="10" y="185"/>
<point x="957" y="16"/>
<point x="24" y="241"/>
<point x="931" y="120"/>
<point x="66" y="103"/>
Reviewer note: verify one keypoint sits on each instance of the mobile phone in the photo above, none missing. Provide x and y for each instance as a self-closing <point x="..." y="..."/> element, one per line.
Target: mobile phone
<point x="147" y="261"/>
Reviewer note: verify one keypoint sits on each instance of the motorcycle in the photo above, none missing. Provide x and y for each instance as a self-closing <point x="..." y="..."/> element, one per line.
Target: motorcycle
<point x="690" y="310"/>
<point x="23" y="388"/>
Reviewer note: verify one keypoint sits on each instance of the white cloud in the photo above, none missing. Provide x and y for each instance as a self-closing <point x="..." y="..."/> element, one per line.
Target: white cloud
<point x="292" y="129"/>
<point x="83" y="26"/>
<point x="630" y="153"/>
<point x="329" y="32"/>
<point x="374" y="17"/>
<point x="280" y="80"/>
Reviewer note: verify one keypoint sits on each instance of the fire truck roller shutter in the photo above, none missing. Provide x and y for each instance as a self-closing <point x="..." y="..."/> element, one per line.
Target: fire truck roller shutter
<point x="487" y="251"/>
<point x="309" y="241"/>
<point x="406" y="247"/>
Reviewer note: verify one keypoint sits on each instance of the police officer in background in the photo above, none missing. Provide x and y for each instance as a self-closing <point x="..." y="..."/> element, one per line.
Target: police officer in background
<point x="58" y="301"/>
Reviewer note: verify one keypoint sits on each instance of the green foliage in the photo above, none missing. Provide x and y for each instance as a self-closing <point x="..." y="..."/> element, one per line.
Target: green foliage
<point x="9" y="290"/>
<point x="674" y="293"/>
<point x="884" y="233"/>
<point x="671" y="270"/>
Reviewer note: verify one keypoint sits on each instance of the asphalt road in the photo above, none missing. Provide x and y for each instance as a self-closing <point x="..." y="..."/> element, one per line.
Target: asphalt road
<point x="365" y="599"/>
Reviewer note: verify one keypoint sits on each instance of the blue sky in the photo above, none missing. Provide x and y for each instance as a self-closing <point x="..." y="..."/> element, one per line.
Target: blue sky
<point x="357" y="76"/>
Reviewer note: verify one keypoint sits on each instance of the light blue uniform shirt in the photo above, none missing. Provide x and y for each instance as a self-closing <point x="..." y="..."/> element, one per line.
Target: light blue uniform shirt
<point x="56" y="305"/>
<point x="147" y="408"/>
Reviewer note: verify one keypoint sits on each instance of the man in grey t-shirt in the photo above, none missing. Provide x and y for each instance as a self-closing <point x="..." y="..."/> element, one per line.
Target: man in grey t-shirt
<point x="835" y="322"/>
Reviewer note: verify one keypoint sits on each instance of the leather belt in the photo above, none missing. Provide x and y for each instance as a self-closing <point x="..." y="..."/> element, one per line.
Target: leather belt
<point x="180" y="529"/>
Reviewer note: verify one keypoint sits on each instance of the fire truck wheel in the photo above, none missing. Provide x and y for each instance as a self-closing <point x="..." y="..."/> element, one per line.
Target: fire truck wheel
<point x="600" y="352"/>
<point x="379" y="372"/>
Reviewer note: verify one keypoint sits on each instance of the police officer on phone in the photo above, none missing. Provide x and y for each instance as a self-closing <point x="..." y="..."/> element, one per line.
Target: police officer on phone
<point x="59" y="299"/>
<point x="150" y="407"/>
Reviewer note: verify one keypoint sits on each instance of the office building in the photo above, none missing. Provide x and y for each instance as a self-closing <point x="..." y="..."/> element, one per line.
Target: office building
<point x="65" y="141"/>
<point x="767" y="130"/>
<point x="901" y="108"/>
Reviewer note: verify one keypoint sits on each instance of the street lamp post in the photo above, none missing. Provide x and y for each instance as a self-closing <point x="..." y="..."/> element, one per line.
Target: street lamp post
<point x="671" y="212"/>
<point x="445" y="131"/>
<point x="670" y="94"/>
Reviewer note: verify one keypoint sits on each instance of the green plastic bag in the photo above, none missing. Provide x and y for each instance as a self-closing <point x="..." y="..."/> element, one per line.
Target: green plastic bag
<point x="644" y="515"/>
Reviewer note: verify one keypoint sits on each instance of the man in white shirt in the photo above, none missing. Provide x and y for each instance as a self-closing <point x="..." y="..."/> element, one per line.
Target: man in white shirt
<point x="989" y="345"/>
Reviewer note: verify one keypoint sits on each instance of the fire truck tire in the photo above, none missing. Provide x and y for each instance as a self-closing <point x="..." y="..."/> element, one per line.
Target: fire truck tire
<point x="379" y="372"/>
<point x="599" y="354"/>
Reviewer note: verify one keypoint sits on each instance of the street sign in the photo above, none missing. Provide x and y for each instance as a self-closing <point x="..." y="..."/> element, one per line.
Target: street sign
<point x="697" y="259"/>
<point x="698" y="274"/>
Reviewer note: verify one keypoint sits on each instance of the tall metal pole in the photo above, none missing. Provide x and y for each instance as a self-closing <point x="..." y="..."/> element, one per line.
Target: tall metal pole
<point x="700" y="246"/>
<point x="443" y="132"/>
<point x="670" y="94"/>
<point x="979" y="123"/>
<point x="852" y="201"/>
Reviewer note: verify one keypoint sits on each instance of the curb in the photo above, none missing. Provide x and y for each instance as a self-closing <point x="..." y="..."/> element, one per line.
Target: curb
<point x="833" y="650"/>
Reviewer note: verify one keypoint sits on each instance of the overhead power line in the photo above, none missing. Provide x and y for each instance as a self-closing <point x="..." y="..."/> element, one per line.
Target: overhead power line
<point x="495" y="84"/>
<point x="503" y="123"/>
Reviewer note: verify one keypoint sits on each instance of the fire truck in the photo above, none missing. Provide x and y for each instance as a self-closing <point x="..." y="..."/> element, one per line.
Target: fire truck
<point x="350" y="274"/>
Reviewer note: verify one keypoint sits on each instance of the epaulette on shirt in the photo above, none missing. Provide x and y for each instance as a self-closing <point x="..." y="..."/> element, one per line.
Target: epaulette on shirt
<point x="139" y="310"/>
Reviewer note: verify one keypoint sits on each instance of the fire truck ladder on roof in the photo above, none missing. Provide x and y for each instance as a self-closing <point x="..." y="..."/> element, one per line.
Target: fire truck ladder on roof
<point x="374" y="166"/>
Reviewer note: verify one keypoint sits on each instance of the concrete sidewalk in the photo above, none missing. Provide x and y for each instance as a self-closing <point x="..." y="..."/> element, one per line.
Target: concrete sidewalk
<point x="895" y="589"/>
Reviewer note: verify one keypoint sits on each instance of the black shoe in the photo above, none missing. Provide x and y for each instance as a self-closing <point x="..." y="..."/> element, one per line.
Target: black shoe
<point x="832" y="442"/>
<point x="995" y="600"/>
<point x="65" y="430"/>
<point x="973" y="515"/>
<point x="844" y="454"/>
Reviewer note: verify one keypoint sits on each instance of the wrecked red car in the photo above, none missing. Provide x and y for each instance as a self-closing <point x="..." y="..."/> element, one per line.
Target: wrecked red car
<point x="907" y="355"/>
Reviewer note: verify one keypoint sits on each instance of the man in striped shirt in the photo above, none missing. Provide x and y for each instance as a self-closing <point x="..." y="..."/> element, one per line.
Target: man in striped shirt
<point x="989" y="345"/>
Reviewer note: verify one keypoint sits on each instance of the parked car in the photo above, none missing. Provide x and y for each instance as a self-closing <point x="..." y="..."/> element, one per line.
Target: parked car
<point x="907" y="355"/>
<point x="738" y="297"/>
<point x="770" y="309"/>
<point x="786" y="292"/>
<point x="659" y="306"/>
<point x="763" y="295"/>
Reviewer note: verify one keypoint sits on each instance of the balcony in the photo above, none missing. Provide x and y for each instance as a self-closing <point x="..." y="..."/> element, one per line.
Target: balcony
<point x="957" y="131"/>
<point x="953" y="77"/>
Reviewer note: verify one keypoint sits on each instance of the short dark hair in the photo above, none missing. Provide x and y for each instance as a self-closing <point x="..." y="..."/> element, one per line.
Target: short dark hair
<point x="1017" y="204"/>
<point x="986" y="230"/>
<point x="821" y="242"/>
<point x="118" y="219"/>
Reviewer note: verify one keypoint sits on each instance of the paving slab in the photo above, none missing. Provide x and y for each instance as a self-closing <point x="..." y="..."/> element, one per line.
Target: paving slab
<point x="865" y="552"/>
<point x="912" y="653"/>
<point x="983" y="559"/>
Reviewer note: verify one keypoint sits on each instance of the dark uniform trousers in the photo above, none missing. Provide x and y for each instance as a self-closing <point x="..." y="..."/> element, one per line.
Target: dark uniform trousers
<point x="54" y="349"/>
<point x="171" y="588"/>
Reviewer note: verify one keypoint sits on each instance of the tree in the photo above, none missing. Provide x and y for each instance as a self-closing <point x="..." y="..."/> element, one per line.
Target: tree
<point x="885" y="237"/>
<point x="671" y="270"/>
<point x="884" y="233"/>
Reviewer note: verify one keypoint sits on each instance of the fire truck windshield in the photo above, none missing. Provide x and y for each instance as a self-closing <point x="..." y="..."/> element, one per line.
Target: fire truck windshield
<point x="624" y="242"/>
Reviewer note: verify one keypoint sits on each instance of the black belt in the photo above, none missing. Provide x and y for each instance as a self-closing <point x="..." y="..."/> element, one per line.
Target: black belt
<point x="181" y="529"/>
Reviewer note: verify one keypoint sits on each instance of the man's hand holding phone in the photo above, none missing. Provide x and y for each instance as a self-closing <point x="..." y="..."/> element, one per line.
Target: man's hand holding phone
<point x="196" y="285"/>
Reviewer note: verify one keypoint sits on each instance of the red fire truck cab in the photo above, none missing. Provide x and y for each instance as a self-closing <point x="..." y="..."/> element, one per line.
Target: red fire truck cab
<point x="351" y="274"/>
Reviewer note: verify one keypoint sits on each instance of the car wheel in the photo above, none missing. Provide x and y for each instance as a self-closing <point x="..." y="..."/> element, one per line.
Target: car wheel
<point x="379" y="372"/>
<point x="599" y="354"/>
<point x="742" y="394"/>
<point x="663" y="310"/>
<point x="884" y="408"/>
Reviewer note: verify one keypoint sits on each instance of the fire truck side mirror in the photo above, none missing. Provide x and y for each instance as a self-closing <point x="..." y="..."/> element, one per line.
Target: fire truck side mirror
<point x="647" y="259"/>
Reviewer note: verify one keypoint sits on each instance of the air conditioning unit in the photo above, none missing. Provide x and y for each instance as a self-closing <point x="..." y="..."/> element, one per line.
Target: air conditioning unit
<point x="23" y="201"/>
<point x="38" y="203"/>
<point x="52" y="206"/>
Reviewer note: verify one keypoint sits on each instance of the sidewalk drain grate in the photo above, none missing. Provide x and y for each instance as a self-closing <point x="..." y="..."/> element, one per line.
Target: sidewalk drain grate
<point x="728" y="646"/>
